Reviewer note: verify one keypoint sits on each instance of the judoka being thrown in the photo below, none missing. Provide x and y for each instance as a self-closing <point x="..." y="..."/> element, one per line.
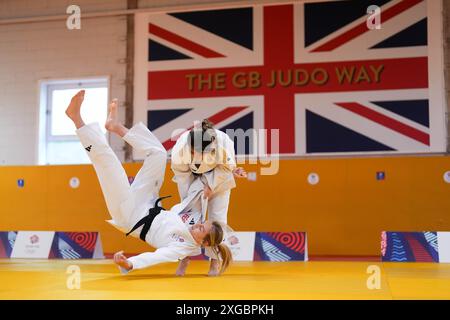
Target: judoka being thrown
<point x="135" y="209"/>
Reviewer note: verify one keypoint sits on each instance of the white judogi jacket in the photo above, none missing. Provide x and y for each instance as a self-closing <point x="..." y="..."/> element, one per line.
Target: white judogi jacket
<point x="222" y="164"/>
<point x="169" y="232"/>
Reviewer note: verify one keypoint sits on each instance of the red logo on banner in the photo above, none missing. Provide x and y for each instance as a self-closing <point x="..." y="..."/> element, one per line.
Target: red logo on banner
<point x="34" y="239"/>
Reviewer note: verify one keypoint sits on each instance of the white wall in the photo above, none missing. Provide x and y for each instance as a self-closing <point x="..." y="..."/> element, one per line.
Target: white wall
<point x="46" y="50"/>
<point x="30" y="52"/>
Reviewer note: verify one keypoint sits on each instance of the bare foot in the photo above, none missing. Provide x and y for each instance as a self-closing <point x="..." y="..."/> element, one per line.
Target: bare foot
<point x="112" y="122"/>
<point x="73" y="110"/>
<point x="214" y="268"/>
<point x="122" y="261"/>
<point x="181" y="270"/>
<point x="113" y="116"/>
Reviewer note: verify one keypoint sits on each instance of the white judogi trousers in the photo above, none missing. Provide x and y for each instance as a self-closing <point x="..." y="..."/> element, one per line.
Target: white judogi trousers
<point x="126" y="204"/>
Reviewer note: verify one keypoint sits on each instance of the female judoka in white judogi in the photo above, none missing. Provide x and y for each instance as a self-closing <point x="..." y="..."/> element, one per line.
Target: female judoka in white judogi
<point x="206" y="153"/>
<point x="134" y="209"/>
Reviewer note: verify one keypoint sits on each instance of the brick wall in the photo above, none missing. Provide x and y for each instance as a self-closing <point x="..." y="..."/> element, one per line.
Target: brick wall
<point x="47" y="50"/>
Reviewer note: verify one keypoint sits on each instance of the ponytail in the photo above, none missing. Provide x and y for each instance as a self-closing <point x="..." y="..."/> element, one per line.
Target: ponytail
<point x="225" y="256"/>
<point x="214" y="240"/>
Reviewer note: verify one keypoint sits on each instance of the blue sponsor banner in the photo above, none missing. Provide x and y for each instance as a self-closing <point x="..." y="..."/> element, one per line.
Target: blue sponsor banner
<point x="409" y="247"/>
<point x="7" y="240"/>
<point x="281" y="246"/>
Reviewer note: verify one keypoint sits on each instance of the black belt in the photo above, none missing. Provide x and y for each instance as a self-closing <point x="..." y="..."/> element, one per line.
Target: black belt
<point x="199" y="174"/>
<point x="148" y="219"/>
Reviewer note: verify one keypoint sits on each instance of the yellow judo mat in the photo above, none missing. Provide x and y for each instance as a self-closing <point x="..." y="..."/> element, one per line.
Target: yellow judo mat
<point x="100" y="279"/>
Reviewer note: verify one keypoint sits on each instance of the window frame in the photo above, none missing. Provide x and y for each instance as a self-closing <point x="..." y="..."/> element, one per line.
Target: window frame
<point x="65" y="85"/>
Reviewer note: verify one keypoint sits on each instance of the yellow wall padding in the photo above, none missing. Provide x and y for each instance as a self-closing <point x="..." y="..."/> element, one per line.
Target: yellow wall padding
<point x="343" y="214"/>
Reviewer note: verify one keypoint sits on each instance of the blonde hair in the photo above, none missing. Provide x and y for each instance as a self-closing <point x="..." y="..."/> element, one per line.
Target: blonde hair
<point x="214" y="239"/>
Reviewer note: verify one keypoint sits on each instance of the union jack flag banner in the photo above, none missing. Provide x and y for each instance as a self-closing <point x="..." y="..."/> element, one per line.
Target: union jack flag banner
<point x="314" y="70"/>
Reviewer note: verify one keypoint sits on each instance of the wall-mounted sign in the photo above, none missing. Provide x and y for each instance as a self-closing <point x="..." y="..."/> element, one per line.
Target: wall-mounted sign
<point x="447" y="177"/>
<point x="74" y="182"/>
<point x="326" y="89"/>
<point x="313" y="178"/>
<point x="381" y="175"/>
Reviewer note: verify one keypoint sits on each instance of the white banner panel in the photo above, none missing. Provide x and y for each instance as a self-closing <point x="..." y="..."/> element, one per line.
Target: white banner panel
<point x="33" y="244"/>
<point x="242" y="245"/>
<point x="444" y="246"/>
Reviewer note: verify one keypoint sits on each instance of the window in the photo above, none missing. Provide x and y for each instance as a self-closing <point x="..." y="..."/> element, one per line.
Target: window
<point x="59" y="143"/>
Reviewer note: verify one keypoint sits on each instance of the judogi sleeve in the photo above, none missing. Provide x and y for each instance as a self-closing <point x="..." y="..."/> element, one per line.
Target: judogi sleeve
<point x="171" y="253"/>
<point x="221" y="178"/>
<point x="183" y="176"/>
